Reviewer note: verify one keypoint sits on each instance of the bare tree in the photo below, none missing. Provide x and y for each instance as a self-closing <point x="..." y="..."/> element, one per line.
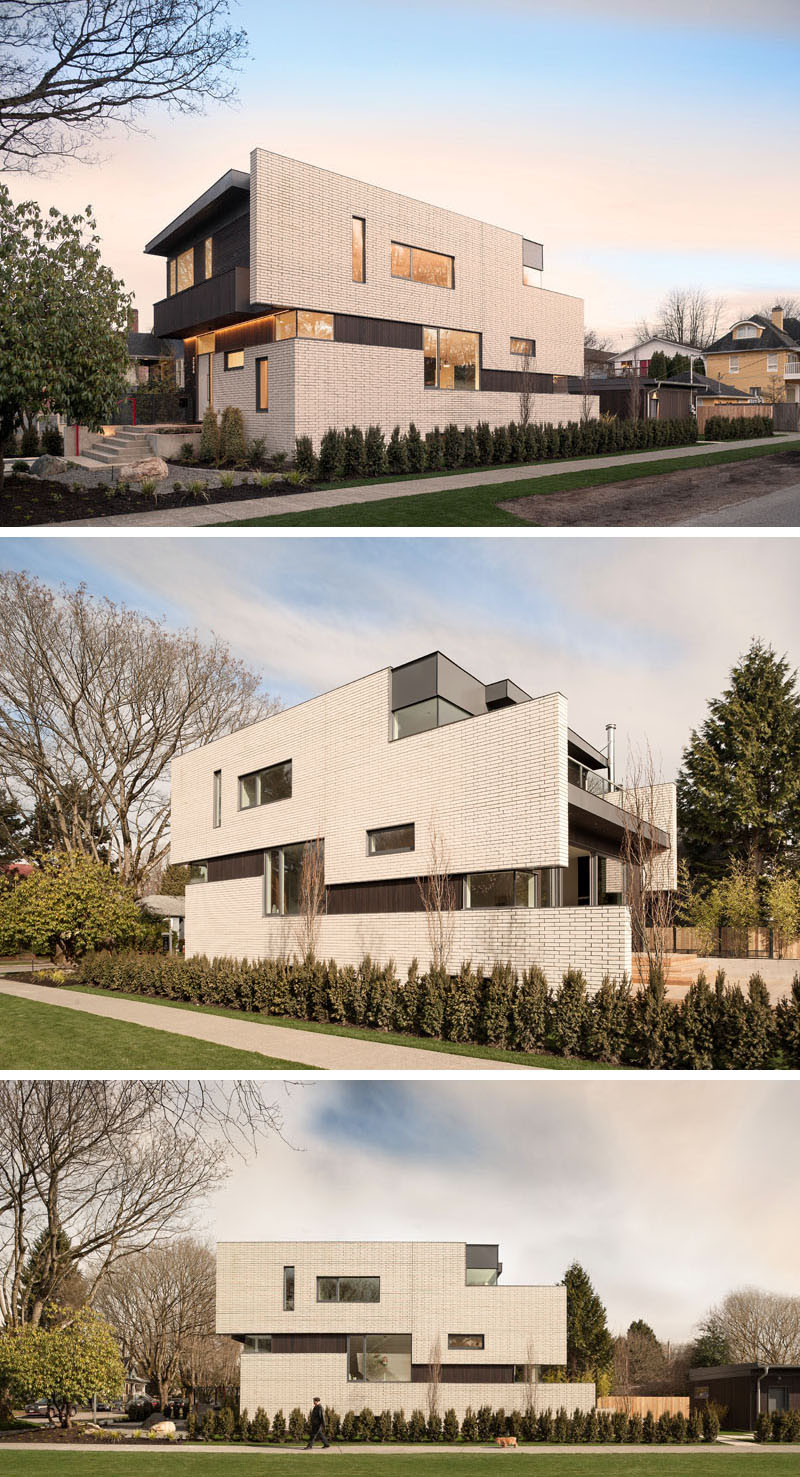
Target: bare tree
<point x="775" y="393"/>
<point x="210" y="1367"/>
<point x="97" y="699"/>
<point x="634" y="395"/>
<point x="759" y="1327"/>
<point x="531" y="1377"/>
<point x="649" y="865"/>
<point x="92" y="1172"/>
<point x="160" y="1303"/>
<point x="312" y="897"/>
<point x="434" y="1377"/>
<point x="438" y="894"/>
<point x="688" y="315"/>
<point x="68" y="68"/>
<point x="790" y="305"/>
<point x="527" y="398"/>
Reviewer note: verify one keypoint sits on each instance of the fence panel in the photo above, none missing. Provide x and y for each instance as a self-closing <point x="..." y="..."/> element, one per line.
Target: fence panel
<point x="786" y="417"/>
<point x="640" y="1404"/>
<point x="730" y="412"/>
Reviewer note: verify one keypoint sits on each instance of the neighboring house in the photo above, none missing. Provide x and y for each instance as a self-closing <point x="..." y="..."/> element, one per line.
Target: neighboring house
<point x="597" y="363"/>
<point x="339" y="1319"/>
<point x="147" y="352"/>
<point x="310" y="300"/>
<point x="655" y="399"/>
<point x="763" y="354"/>
<point x="637" y="357"/>
<point x="173" y="912"/>
<point x="17" y="870"/>
<point x="403" y="774"/>
<point x="746" y="1390"/>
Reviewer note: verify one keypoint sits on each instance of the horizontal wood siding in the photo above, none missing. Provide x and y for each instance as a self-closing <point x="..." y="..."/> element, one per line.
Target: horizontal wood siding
<point x="236" y="866"/>
<point x="247" y="335"/>
<point x="206" y="305"/>
<point x="309" y="1343"/>
<point x="383" y="333"/>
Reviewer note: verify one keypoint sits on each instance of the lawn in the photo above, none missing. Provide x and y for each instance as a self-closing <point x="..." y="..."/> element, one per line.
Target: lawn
<point x="477" y="507"/>
<point x="35" y="1035"/>
<point x="209" y="1463"/>
<point x="363" y="1033"/>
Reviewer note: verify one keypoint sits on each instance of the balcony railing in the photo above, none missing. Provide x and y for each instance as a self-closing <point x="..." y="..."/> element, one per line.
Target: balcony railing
<point x="589" y="780"/>
<point x="792" y="370"/>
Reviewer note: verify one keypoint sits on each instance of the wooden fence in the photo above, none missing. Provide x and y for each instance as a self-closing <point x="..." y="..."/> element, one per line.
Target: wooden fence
<point x="729" y="412"/>
<point x="640" y="1404"/>
<point x="786" y="416"/>
<point x="729" y="943"/>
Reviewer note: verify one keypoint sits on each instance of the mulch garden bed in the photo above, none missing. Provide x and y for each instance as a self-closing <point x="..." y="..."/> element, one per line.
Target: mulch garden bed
<point x="33" y="500"/>
<point x="55" y="1436"/>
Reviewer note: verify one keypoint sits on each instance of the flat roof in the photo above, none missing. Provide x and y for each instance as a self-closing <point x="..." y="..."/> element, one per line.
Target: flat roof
<point x="235" y="185"/>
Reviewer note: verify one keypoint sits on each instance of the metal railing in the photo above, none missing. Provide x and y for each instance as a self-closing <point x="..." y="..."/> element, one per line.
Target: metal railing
<point x="590" y="780"/>
<point x="792" y="367"/>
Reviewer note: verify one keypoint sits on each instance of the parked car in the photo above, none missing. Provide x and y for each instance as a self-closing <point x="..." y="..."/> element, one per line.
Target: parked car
<point x="39" y="1407"/>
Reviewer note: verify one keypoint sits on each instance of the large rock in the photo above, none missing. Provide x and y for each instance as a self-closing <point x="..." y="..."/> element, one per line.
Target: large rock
<point x="48" y="466"/>
<point x="163" y="1428"/>
<point x="150" y="467"/>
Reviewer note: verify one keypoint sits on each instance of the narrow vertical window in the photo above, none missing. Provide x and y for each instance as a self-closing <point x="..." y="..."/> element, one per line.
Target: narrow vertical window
<point x="209" y="256"/>
<point x="262" y="384"/>
<point x="217" y="797"/>
<point x="288" y="1289"/>
<point x="173" y="278"/>
<point x="359" y="264"/>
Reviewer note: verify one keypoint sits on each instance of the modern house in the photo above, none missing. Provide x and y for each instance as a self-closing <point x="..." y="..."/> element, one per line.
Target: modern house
<point x="746" y="1390"/>
<point x="410" y="773"/>
<point x="762" y="355"/>
<point x="389" y="1325"/>
<point x="312" y="300"/>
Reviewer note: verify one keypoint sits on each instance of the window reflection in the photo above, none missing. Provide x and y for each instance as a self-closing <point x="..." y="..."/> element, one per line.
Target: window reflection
<point x="450" y="359"/>
<point x="314" y="325"/>
<point x="359" y="265"/>
<point x="430" y="267"/>
<point x="186" y="269"/>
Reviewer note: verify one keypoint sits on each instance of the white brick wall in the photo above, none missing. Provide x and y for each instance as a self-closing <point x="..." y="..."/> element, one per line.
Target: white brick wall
<point x="423" y="1293"/>
<point x="658" y="804"/>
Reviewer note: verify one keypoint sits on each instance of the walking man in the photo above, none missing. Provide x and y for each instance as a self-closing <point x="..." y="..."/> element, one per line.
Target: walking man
<point x="316" y="1425"/>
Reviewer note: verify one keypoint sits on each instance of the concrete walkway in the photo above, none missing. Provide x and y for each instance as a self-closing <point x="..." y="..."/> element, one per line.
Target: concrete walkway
<point x="205" y="515"/>
<point x="315" y="1048"/>
<point x="405" y="1448"/>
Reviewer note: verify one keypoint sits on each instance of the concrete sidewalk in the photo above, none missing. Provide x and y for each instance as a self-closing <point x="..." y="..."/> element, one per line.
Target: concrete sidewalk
<point x="206" y="515"/>
<point x="406" y="1448"/>
<point x="315" y="1048"/>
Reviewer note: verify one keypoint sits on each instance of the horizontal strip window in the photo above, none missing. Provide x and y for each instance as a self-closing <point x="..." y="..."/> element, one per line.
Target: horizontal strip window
<point x="388" y="839"/>
<point x="258" y="1343"/>
<point x="432" y="712"/>
<point x="417" y="265"/>
<point x="302" y="323"/>
<point x="526" y="347"/>
<point x="451" y="359"/>
<point x="348" y="1289"/>
<point x="379" y="1358"/>
<point x="294" y="879"/>
<point x="521" y="888"/>
<point x="465" y="1341"/>
<point x="234" y="359"/>
<point x="265" y="786"/>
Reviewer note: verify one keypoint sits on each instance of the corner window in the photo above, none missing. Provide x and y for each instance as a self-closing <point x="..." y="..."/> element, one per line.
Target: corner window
<point x="432" y="712"/>
<point x="430" y="267"/>
<point x="348" y="1289"/>
<point x="265" y="786"/>
<point x="186" y="269"/>
<point x="524" y="346"/>
<point x="209" y="256"/>
<point x="450" y="359"/>
<point x="390" y="838"/>
<point x="262" y="384"/>
<point x="314" y="325"/>
<point x="198" y="871"/>
<point x="532" y="263"/>
<point x="288" y="1289"/>
<point x="465" y="1341"/>
<point x="379" y="1358"/>
<point x="234" y="359"/>
<point x="483" y="1266"/>
<point x="286" y="324"/>
<point x="258" y="1343"/>
<point x="217" y="802"/>
<point x="512" y="889"/>
<point x="359" y="261"/>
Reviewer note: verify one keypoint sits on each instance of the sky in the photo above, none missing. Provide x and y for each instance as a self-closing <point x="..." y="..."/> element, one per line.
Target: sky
<point x="649" y="1185"/>
<point x="641" y="632"/>
<point x="639" y="143"/>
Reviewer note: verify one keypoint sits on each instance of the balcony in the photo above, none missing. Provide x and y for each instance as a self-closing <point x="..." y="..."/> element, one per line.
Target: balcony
<point x="210" y="304"/>
<point x="589" y="780"/>
<point x="792" y="370"/>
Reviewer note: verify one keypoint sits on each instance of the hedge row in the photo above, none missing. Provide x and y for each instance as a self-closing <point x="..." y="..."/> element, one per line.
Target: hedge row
<point x="717" y="1026"/>
<point x="484" y="1424"/>
<point x="782" y="1425"/>
<point x="737" y="428"/>
<point x="351" y="453"/>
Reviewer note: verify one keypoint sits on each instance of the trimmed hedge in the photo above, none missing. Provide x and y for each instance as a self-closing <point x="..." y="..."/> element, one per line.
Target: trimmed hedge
<point x="584" y="1428"/>
<point x="349" y="453"/>
<point x="737" y="428"/>
<point x="781" y="1425"/>
<point x="717" y="1026"/>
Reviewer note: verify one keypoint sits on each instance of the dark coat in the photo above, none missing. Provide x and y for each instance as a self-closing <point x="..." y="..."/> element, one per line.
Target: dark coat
<point x="316" y="1419"/>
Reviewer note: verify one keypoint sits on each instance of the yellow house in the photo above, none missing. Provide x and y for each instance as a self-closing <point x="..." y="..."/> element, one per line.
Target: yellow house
<point x="761" y="356"/>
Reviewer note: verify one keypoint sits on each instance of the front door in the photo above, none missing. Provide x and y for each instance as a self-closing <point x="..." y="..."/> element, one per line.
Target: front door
<point x="205" y="387"/>
<point x="777" y="1398"/>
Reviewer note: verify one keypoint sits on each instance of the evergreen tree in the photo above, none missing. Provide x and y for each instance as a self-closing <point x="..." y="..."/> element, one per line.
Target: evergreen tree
<point x="14" y="830"/>
<point x="711" y="1347"/>
<point x="739" y="785"/>
<point x="589" y="1343"/>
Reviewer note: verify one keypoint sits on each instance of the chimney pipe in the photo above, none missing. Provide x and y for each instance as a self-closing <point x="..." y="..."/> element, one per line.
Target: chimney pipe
<point x="611" y="754"/>
<point x="777" y="316"/>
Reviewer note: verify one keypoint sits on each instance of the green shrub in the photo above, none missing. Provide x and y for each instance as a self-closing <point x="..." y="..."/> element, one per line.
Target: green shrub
<point x="29" y="445"/>
<point x="232" y="439"/>
<point x="383" y="1426"/>
<point x="664" y="1428"/>
<point x="191" y="1424"/>
<point x="278" y="1426"/>
<point x="619" y="1423"/>
<point x="694" y="1429"/>
<point x="348" y="1426"/>
<point x="242" y="1425"/>
<point x="397" y="453"/>
<point x="500" y="448"/>
<point x="516" y="442"/>
<point x="434" y="1431"/>
<point x="399" y="1426"/>
<point x="577" y="1422"/>
<point x="763" y="1427"/>
<point x="209" y="437"/>
<point x="365" y="1425"/>
<point x="710" y="1424"/>
<point x="417" y="1426"/>
<point x="737" y="428"/>
<point x="208" y="1430"/>
<point x="19" y="466"/>
<point x="331" y="456"/>
<point x="560" y="1427"/>
<point x="469" y="1426"/>
<point x="607" y="1021"/>
<point x="648" y="1429"/>
<point x="354" y="462"/>
<point x="635" y="1430"/>
<point x="678" y="1427"/>
<point x="226" y="1423"/>
<point x="296" y="1429"/>
<point x="484" y="442"/>
<point x="434" y="450"/>
<point x="52" y="441"/>
<point x="590" y="1434"/>
<point x="544" y="1426"/>
<point x="186" y="453"/>
<point x="528" y="1011"/>
<point x="570" y="1014"/>
<point x="257" y="453"/>
<point x="496" y="1006"/>
<point x="605" y="1430"/>
<point x="469" y="447"/>
<point x="787" y="1024"/>
<point x="453" y="446"/>
<point x="333" y="1423"/>
<point x="304" y="458"/>
<point x="415" y="450"/>
<point x="375" y="452"/>
<point x="483" y="1421"/>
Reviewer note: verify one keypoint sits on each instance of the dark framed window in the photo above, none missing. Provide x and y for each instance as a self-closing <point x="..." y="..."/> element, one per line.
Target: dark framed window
<point x="217" y="799"/>
<point x="379" y="1358"/>
<point x="390" y="838"/>
<point x="451" y="359"/>
<point x="283" y="876"/>
<point x="209" y="256"/>
<point x="348" y="1289"/>
<point x="524" y="346"/>
<point x="511" y="889"/>
<point x="234" y="359"/>
<point x="258" y="1343"/>
<point x="288" y="1289"/>
<point x="432" y="712"/>
<point x="262" y="384"/>
<point x="265" y="786"/>
<point x="416" y="265"/>
<point x="359" y="256"/>
<point x="465" y="1341"/>
<point x="198" y="871"/>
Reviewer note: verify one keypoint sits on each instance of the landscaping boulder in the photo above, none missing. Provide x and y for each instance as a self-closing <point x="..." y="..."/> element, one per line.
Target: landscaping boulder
<point x="150" y="467"/>
<point x="48" y="466"/>
<point x="162" y="1428"/>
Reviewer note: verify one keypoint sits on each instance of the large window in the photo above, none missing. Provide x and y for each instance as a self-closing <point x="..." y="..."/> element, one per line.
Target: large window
<point x="265" y="786"/>
<point x="465" y="1341"/>
<point x="186" y="269"/>
<point x="262" y="384"/>
<point x="288" y="1289"/>
<point x="198" y="871"/>
<point x="432" y="712"/>
<point x="283" y="874"/>
<point x="450" y="359"/>
<point x="258" y="1343"/>
<point x="348" y="1289"/>
<point x="379" y="1358"/>
<point x="390" y="838"/>
<point x="359" y="261"/>
<point x="303" y="323"/>
<point x="517" y="889"/>
<point x="416" y="265"/>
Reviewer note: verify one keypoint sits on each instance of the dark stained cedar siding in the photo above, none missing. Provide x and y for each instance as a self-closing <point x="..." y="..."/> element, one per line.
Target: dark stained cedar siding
<point x="309" y="1343"/>
<point x="383" y="333"/>
<point x="465" y="1374"/>
<point x="245" y="335"/>
<point x="233" y="868"/>
<point x="378" y="897"/>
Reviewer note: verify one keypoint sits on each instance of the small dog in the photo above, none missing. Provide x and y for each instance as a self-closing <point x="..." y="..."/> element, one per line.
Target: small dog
<point x="506" y="1441"/>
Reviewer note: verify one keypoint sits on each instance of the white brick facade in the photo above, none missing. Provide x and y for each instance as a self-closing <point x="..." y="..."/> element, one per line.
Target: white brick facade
<point x="423" y="1293"/>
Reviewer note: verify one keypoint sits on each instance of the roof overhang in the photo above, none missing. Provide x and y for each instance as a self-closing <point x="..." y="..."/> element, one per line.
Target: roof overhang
<point x="231" y="189"/>
<point x="598" y="817"/>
